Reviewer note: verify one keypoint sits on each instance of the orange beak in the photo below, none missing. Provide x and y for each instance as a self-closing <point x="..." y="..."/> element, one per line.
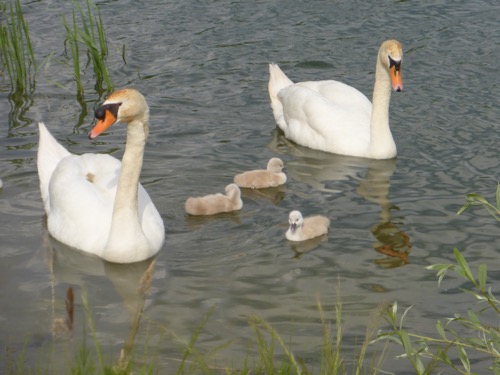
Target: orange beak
<point x="108" y="120"/>
<point x="396" y="79"/>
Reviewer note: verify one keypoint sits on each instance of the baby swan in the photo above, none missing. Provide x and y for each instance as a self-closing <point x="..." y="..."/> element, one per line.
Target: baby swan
<point x="261" y="179"/>
<point x="304" y="229"/>
<point x="216" y="203"/>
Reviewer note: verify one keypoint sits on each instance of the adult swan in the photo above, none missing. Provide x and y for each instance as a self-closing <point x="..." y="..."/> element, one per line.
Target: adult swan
<point x="334" y="117"/>
<point x="94" y="202"/>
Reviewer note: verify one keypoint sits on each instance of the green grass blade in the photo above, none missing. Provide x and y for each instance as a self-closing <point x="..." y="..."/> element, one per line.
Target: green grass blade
<point x="464" y="266"/>
<point x="194" y="337"/>
<point x="498" y="197"/>
<point x="463" y="358"/>
<point x="481" y="276"/>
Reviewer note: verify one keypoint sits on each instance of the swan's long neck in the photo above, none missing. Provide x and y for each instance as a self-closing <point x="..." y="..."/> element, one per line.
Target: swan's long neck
<point x="382" y="144"/>
<point x="128" y="184"/>
<point x="125" y="224"/>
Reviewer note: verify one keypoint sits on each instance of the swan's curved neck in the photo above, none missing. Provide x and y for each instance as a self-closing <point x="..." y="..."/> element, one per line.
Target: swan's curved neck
<point x="381" y="142"/>
<point x="125" y="224"/>
<point x="128" y="184"/>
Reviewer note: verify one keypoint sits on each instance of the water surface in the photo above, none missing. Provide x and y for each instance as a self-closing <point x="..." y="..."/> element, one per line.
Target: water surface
<point x="203" y="68"/>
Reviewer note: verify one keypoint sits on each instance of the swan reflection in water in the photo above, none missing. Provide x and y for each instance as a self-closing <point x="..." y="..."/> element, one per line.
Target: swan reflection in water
<point x="131" y="282"/>
<point x="322" y="170"/>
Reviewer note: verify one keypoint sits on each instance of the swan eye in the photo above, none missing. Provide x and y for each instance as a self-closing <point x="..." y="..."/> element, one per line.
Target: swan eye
<point x="100" y="112"/>
<point x="395" y="64"/>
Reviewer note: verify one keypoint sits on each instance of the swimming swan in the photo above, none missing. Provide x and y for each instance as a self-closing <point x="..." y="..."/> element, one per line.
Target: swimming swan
<point x="304" y="229"/>
<point x="216" y="203"/>
<point x="334" y="117"/>
<point x="94" y="202"/>
<point x="260" y="178"/>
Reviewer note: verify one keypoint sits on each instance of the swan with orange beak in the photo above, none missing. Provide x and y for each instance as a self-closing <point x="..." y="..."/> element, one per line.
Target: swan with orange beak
<point x="94" y="202"/>
<point x="334" y="117"/>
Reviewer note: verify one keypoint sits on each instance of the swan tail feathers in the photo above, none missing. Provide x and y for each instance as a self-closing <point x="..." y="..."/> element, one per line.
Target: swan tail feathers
<point x="277" y="82"/>
<point x="50" y="153"/>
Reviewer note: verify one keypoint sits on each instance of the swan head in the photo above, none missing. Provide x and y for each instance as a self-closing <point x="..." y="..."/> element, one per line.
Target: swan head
<point x="295" y="220"/>
<point x="275" y="165"/>
<point x="391" y="57"/>
<point x="124" y="105"/>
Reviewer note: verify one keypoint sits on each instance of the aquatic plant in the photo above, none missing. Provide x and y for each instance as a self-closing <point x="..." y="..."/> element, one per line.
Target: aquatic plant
<point x="461" y="335"/>
<point x="330" y="358"/>
<point x="477" y="200"/>
<point x="90" y="35"/>
<point x="90" y="359"/>
<point x="17" y="57"/>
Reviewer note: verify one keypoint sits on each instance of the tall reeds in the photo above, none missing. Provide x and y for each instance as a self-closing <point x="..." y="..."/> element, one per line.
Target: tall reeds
<point x="89" y="34"/>
<point x="17" y="56"/>
<point x="330" y="357"/>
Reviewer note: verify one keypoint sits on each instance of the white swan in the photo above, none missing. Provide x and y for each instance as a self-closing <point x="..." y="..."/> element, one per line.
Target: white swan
<point x="215" y="203"/>
<point x="94" y="202"/>
<point x="304" y="229"/>
<point x="334" y="117"/>
<point x="260" y="178"/>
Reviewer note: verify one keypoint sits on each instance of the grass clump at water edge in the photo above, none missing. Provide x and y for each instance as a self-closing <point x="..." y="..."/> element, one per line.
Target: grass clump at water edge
<point x="91" y="35"/>
<point x="329" y="359"/>
<point x="17" y="57"/>
<point x="90" y="359"/>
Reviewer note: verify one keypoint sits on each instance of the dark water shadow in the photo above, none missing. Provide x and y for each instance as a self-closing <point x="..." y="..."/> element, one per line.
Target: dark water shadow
<point x="274" y="194"/>
<point x="302" y="247"/>
<point x="322" y="171"/>
<point x="198" y="221"/>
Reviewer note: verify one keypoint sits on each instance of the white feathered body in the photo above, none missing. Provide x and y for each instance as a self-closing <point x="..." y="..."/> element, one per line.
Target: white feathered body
<point x="79" y="192"/>
<point x="307" y="228"/>
<point x="334" y="117"/>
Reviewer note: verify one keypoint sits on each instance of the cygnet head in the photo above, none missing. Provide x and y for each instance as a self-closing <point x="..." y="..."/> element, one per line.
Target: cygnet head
<point x="295" y="220"/>
<point x="124" y="105"/>
<point x="391" y="57"/>
<point x="275" y="165"/>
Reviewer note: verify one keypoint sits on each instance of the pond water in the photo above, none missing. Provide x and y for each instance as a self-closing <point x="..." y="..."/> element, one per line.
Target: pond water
<point x="203" y="67"/>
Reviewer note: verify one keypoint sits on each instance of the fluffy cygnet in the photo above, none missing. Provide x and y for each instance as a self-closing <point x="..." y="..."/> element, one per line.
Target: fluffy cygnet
<point x="260" y="178"/>
<point x="304" y="229"/>
<point x="216" y="203"/>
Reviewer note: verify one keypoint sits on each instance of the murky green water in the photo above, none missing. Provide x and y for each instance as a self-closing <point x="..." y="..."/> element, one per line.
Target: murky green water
<point x="203" y="67"/>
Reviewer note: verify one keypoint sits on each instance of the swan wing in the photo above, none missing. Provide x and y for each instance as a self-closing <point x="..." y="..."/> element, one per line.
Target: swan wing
<point x="82" y="195"/>
<point x="326" y="115"/>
